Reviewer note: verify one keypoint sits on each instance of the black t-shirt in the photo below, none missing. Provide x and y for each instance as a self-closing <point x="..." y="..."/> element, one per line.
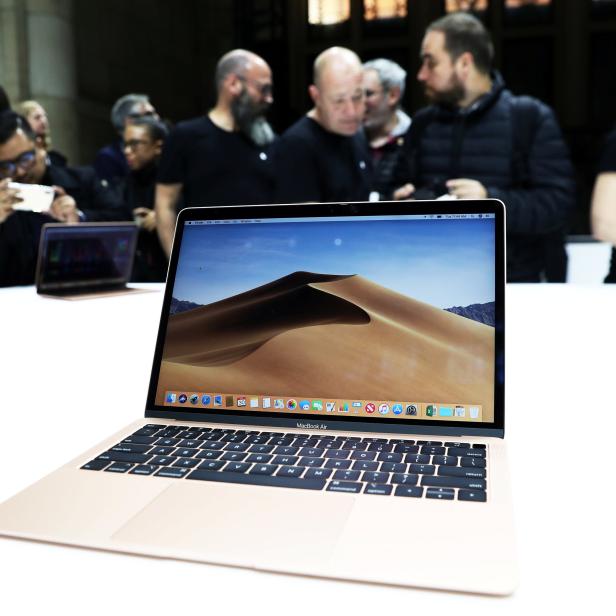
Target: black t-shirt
<point x="607" y="163"/>
<point x="216" y="167"/>
<point x="19" y="239"/>
<point x="313" y="164"/>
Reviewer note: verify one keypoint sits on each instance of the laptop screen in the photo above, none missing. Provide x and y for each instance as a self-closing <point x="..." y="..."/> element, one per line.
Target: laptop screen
<point x="372" y="318"/>
<point x="85" y="255"/>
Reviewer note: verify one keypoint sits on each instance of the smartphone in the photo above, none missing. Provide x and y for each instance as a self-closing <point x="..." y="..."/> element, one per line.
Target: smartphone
<point x="35" y="197"/>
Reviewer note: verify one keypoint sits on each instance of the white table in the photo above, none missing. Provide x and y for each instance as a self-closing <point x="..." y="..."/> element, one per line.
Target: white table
<point x="86" y="364"/>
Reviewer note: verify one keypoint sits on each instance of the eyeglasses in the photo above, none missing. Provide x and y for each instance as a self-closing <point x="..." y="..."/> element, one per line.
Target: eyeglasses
<point x="23" y="161"/>
<point x="134" y="144"/>
<point x="264" y="89"/>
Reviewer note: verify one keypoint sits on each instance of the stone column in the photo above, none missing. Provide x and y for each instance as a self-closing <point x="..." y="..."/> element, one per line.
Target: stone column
<point x="37" y="61"/>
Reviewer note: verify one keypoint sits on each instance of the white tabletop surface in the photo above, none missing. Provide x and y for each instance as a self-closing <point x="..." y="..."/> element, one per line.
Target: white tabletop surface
<point x="73" y="372"/>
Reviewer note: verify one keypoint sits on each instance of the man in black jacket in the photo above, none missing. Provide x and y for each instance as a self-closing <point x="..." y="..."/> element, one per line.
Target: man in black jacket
<point x="477" y="140"/>
<point x="79" y="195"/>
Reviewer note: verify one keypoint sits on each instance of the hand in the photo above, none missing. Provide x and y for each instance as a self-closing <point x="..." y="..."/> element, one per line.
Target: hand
<point x="63" y="207"/>
<point x="8" y="198"/>
<point x="404" y="192"/>
<point x="145" y="218"/>
<point x="463" y="188"/>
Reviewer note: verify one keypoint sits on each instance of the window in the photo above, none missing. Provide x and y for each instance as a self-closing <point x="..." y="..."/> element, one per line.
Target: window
<point x="385" y="9"/>
<point x="328" y="12"/>
<point x="451" y="6"/>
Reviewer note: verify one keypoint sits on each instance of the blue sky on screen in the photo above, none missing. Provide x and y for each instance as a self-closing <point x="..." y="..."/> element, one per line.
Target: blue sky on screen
<point x="446" y="262"/>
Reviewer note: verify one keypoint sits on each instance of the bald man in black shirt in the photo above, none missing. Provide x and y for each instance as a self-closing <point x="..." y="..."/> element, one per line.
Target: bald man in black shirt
<point x="324" y="155"/>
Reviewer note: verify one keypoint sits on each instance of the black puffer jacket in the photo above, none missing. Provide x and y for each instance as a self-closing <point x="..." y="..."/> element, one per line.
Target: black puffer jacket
<point x="479" y="143"/>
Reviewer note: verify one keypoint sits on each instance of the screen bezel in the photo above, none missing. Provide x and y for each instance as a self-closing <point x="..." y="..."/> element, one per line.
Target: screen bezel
<point x="83" y="229"/>
<point x="322" y="422"/>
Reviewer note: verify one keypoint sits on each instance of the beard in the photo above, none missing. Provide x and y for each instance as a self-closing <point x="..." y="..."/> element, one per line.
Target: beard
<point x="449" y="97"/>
<point x="250" y="119"/>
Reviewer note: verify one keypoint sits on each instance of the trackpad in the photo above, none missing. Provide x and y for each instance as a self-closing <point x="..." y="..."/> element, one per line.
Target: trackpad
<point x="261" y="527"/>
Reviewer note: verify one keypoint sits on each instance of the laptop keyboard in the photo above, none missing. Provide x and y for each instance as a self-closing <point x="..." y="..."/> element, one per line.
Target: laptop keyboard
<point x="380" y="466"/>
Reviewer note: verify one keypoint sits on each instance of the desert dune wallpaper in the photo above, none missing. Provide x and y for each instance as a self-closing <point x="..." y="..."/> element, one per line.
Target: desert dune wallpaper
<point x="379" y="309"/>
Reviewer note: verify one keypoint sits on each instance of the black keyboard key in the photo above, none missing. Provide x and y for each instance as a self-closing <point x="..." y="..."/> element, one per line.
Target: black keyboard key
<point x="445" y="460"/>
<point x="234" y="456"/>
<point x="185" y="463"/>
<point x="95" y="465"/>
<point x="236" y="467"/>
<point x="185" y="452"/>
<point x="440" y="493"/>
<point x="405" y="448"/>
<point x="433" y="450"/>
<point x="479" y="446"/>
<point x="283" y="441"/>
<point x="355" y="446"/>
<point x="237" y="447"/>
<point x="404" y="490"/>
<point x="393" y="467"/>
<point x="288" y="460"/>
<point x="375" y="477"/>
<point x="404" y="478"/>
<point x="213" y="445"/>
<point x="318" y="473"/>
<point x="148" y="431"/>
<point x="461" y="471"/>
<point x="338" y="464"/>
<point x="312" y="452"/>
<point x="373" y="439"/>
<point x="264" y="469"/>
<point x="436" y="443"/>
<point x="304" y="442"/>
<point x="334" y="444"/>
<point x="207" y="454"/>
<point x="211" y="465"/>
<point x="286" y="451"/>
<point x="168" y="442"/>
<point x="347" y="475"/>
<point x="344" y="486"/>
<point x="131" y="448"/>
<point x="365" y="465"/>
<point x="313" y="462"/>
<point x="472" y="495"/>
<point x="257" y="440"/>
<point x="261" y="448"/>
<point x="141" y="440"/>
<point x="233" y="438"/>
<point x="163" y="460"/>
<point x="473" y="462"/>
<point x="459" y="445"/>
<point x="422" y="469"/>
<point x="467" y="453"/>
<point x="416" y="458"/>
<point x="162" y="451"/>
<point x="259" y="480"/>
<point x="378" y="488"/>
<point x="454" y="482"/>
<point x="290" y="471"/>
<point x="380" y="447"/>
<point x="173" y="472"/>
<point x="337" y="454"/>
<point x="259" y="458"/>
<point x="143" y="469"/>
<point x="119" y="456"/>
<point x="363" y="455"/>
<point x="119" y="467"/>
<point x="389" y="457"/>
<point x="189" y="443"/>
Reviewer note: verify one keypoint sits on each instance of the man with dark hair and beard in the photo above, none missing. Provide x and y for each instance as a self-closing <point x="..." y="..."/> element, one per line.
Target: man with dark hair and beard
<point x="478" y="140"/>
<point x="222" y="158"/>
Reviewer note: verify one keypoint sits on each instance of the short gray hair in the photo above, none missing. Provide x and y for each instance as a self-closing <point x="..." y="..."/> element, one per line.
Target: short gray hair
<point x="123" y="107"/>
<point x="391" y="75"/>
<point x="236" y="62"/>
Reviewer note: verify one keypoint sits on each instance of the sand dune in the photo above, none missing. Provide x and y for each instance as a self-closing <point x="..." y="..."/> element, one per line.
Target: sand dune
<point x="330" y="336"/>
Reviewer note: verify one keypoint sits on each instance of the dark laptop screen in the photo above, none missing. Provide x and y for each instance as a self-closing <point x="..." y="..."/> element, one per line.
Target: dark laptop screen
<point x="372" y="318"/>
<point x="85" y="255"/>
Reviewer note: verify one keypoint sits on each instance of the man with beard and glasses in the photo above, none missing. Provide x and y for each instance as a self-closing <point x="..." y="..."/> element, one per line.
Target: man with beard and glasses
<point x="324" y="155"/>
<point x="385" y="123"/>
<point x="222" y="158"/>
<point x="478" y="140"/>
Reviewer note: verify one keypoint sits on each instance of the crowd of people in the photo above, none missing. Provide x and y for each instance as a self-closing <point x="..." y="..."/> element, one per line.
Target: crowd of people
<point x="474" y="140"/>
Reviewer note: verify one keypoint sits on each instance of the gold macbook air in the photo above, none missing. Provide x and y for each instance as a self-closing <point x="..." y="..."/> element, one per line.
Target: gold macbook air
<point x="326" y="398"/>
